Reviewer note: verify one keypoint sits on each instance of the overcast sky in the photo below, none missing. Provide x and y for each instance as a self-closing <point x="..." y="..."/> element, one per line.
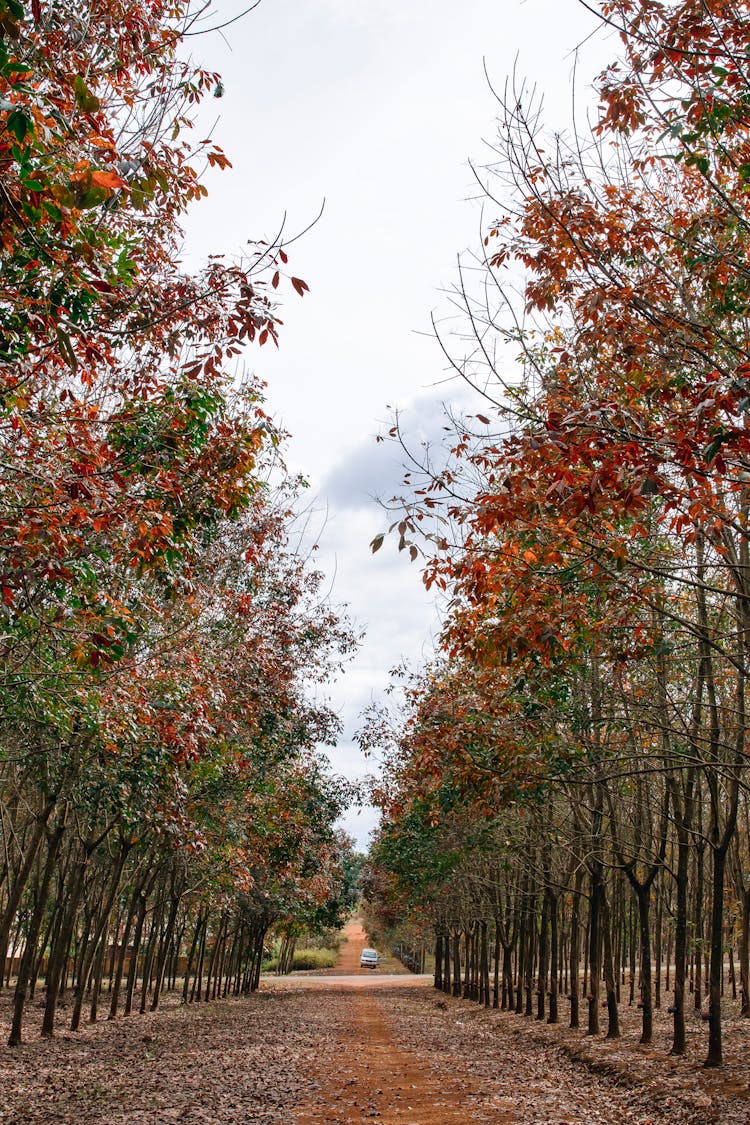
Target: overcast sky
<point x="377" y="108"/>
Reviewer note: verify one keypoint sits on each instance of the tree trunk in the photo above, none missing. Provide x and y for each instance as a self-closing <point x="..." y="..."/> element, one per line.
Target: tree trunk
<point x="541" y="979"/>
<point x="496" y="974"/>
<point x="595" y="963"/>
<point x="643" y="898"/>
<point x="133" y="966"/>
<point x="575" y="950"/>
<point x="35" y="925"/>
<point x="114" y="1001"/>
<point x="554" y="968"/>
<point x="613" y="1019"/>
<point x="92" y="946"/>
<point x="743" y="952"/>
<point x="161" y="961"/>
<point x="484" y="976"/>
<point x="714" y="1057"/>
<point x="680" y="945"/>
<point x="59" y="953"/>
<point x="15" y="891"/>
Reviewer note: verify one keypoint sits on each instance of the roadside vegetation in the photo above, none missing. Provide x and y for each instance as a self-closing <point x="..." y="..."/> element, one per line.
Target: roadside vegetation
<point x="564" y="803"/>
<point x="162" y="803"/>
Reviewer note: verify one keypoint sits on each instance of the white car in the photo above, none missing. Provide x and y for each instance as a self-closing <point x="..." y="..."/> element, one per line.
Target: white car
<point x="368" y="959"/>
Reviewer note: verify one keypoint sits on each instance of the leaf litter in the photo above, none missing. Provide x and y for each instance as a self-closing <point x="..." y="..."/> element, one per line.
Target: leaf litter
<point x="336" y="1056"/>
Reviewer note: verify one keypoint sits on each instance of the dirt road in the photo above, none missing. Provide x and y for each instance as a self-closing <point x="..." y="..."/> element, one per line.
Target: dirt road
<point x="376" y="1078"/>
<point x="352" y="1048"/>
<point x="355" y="940"/>
<point x="403" y="1057"/>
<point x="347" y="973"/>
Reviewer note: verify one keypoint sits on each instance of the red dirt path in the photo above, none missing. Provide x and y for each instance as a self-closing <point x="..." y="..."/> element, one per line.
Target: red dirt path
<point x="377" y="1078"/>
<point x="355" y="940"/>
<point x="347" y="973"/>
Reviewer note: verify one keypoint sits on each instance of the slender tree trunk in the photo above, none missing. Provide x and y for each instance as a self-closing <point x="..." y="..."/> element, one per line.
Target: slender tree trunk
<point x="715" y="1057"/>
<point x="438" y="980"/>
<point x="680" y="945"/>
<point x="541" y="993"/>
<point x="613" y="1019"/>
<point x="743" y="952"/>
<point x="554" y="968"/>
<point x="496" y="975"/>
<point x="575" y="950"/>
<point x="643" y="896"/>
<point x="658" y="952"/>
<point x="456" y="943"/>
<point x="91" y="947"/>
<point x="161" y="961"/>
<point x="133" y="966"/>
<point x="98" y="975"/>
<point x="35" y="924"/>
<point x="485" y="968"/>
<point x="521" y="960"/>
<point x="447" y="965"/>
<point x="18" y="885"/>
<point x="148" y="960"/>
<point x="59" y="954"/>
<point x="595" y="964"/>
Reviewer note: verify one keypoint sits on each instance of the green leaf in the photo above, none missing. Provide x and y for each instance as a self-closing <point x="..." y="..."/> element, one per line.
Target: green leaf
<point x="714" y="447"/>
<point x="84" y="97"/>
<point x="19" y="125"/>
<point x="93" y="197"/>
<point x="697" y="160"/>
<point x="66" y="348"/>
<point x="15" y="66"/>
<point x="53" y="211"/>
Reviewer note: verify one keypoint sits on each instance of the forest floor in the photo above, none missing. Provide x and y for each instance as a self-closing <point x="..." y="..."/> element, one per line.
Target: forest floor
<point x="355" y="1047"/>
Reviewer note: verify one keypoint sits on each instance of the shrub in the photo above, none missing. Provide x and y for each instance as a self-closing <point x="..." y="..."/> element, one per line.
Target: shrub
<point x="314" y="959"/>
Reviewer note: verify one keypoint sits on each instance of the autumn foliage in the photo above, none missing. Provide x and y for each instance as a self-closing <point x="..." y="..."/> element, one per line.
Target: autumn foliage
<point x="579" y="746"/>
<point x="161" y="803"/>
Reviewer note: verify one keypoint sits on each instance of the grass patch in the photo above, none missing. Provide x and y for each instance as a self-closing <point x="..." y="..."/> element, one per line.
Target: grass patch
<point x="306" y="959"/>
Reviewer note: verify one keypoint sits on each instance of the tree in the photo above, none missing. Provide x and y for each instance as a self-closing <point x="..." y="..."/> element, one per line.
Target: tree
<point x="158" y="790"/>
<point x="599" y="515"/>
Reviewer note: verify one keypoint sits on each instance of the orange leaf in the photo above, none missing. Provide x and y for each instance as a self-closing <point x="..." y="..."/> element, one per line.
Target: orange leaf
<point x="107" y="180"/>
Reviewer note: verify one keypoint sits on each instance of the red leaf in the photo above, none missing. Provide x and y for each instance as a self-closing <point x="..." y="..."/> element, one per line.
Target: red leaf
<point x="300" y="285"/>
